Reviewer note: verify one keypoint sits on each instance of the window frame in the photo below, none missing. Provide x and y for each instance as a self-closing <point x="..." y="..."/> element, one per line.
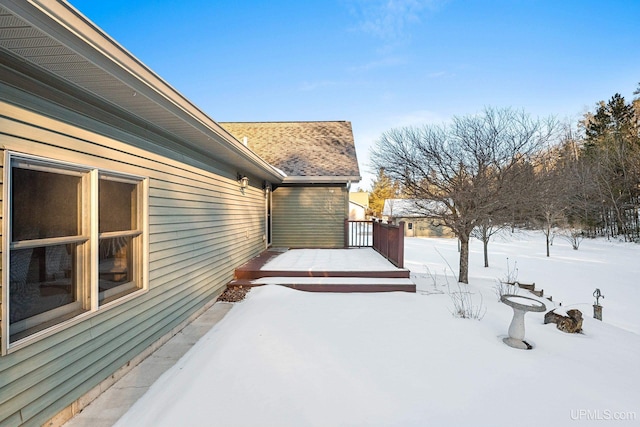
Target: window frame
<point x="87" y="244"/>
<point x="134" y="233"/>
<point x="79" y="305"/>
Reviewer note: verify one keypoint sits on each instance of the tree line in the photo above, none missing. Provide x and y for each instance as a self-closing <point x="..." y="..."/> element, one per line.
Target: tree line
<point x="504" y="168"/>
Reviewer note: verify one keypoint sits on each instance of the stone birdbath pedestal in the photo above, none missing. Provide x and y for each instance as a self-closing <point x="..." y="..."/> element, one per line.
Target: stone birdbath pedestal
<point x="520" y="305"/>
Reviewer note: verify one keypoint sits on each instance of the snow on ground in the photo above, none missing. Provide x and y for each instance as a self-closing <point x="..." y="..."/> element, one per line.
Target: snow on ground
<point x="569" y="276"/>
<point x="292" y="358"/>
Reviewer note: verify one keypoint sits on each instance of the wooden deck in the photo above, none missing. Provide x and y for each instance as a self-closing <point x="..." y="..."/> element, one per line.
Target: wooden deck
<point x="304" y="278"/>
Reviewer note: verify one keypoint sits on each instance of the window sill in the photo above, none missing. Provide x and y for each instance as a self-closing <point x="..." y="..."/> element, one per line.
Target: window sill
<point x="81" y="317"/>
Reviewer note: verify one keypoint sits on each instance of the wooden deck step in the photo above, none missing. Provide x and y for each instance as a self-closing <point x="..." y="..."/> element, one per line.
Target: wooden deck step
<point x="333" y="284"/>
<point x="358" y="280"/>
<point x="248" y="274"/>
<point x="247" y="270"/>
<point x="253" y="270"/>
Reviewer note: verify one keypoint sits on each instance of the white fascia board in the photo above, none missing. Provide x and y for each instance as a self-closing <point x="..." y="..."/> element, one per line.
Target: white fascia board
<point x="321" y="179"/>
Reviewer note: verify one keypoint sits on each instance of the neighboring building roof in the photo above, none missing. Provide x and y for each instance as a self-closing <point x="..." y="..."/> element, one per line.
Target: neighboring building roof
<point x="55" y="42"/>
<point x="305" y="151"/>
<point x="411" y="208"/>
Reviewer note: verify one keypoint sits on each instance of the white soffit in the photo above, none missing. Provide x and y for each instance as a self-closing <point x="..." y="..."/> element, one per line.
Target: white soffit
<point x="57" y="38"/>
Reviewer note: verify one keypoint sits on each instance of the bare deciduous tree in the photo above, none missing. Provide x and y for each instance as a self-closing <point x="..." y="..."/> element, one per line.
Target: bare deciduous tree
<point x="549" y="199"/>
<point x="484" y="231"/>
<point x="459" y="173"/>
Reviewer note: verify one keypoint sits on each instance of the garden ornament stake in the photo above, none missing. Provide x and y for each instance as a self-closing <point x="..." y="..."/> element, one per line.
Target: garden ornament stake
<point x="597" y="308"/>
<point x="597" y="295"/>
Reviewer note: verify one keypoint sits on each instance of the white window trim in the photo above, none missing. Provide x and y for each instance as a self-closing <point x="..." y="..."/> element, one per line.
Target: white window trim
<point x="91" y="234"/>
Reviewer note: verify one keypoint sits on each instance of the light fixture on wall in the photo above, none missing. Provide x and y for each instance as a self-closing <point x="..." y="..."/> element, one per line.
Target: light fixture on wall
<point x="266" y="187"/>
<point x="243" y="181"/>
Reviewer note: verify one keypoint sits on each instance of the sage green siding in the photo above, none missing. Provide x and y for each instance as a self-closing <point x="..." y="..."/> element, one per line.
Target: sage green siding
<point x="201" y="226"/>
<point x="309" y="217"/>
<point x="1" y="230"/>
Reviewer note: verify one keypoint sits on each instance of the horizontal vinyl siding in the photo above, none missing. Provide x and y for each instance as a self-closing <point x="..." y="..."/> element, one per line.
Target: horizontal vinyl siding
<point x="1" y="229"/>
<point x="311" y="217"/>
<point x="200" y="228"/>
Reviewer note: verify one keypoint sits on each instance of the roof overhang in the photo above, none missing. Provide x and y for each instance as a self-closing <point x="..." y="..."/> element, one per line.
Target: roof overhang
<point x="55" y="37"/>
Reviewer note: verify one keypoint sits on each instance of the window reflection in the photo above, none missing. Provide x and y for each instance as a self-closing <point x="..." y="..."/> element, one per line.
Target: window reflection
<point x="42" y="286"/>
<point x="117" y="206"/>
<point x="44" y="204"/>
<point x="116" y="268"/>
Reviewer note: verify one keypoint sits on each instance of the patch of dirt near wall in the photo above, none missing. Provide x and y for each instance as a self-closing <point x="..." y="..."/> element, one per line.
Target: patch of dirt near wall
<point x="234" y="294"/>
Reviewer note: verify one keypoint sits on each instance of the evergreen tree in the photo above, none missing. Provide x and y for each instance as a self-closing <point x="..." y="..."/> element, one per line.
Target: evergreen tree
<point x="614" y="122"/>
<point x="383" y="188"/>
<point x="612" y="147"/>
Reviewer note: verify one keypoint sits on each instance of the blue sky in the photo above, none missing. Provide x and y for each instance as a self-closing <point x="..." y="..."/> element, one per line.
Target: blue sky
<point x="381" y="64"/>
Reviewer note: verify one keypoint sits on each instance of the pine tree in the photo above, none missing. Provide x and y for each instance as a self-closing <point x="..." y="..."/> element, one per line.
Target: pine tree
<point x="383" y="188"/>
<point x="612" y="146"/>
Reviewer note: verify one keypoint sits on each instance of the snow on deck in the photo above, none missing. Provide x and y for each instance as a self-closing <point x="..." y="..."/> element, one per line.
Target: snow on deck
<point x="360" y="259"/>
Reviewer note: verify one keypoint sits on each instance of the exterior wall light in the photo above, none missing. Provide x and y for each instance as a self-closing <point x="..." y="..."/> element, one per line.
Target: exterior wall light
<point x="266" y="187"/>
<point x="243" y="181"/>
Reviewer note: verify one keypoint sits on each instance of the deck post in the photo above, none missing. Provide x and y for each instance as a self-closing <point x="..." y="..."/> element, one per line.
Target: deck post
<point x="400" y="245"/>
<point x="376" y="237"/>
<point x="346" y="233"/>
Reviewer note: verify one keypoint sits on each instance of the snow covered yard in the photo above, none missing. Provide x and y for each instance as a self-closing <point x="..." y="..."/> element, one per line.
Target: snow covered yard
<point x="291" y="358"/>
<point x="569" y="276"/>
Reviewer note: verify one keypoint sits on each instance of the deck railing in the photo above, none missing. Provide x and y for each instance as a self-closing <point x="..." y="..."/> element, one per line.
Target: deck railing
<point x="386" y="239"/>
<point x="358" y="234"/>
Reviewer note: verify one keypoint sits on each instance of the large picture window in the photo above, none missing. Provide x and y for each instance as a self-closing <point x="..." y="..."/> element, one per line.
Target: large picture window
<point x="56" y="213"/>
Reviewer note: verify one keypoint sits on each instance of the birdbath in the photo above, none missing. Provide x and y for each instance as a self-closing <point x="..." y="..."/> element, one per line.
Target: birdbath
<point x="520" y="305"/>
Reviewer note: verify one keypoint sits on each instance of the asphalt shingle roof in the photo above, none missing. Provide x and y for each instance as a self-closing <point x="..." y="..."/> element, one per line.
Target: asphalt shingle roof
<point x="304" y="149"/>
